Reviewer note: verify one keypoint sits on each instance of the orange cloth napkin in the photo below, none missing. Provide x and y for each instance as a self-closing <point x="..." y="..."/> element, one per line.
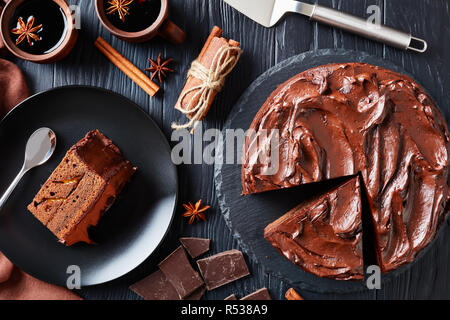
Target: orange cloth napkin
<point x="17" y="285"/>
<point x="13" y="88"/>
<point x="14" y="283"/>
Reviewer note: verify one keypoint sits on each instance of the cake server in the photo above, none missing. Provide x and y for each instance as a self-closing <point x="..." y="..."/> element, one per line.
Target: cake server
<point x="39" y="149"/>
<point x="269" y="12"/>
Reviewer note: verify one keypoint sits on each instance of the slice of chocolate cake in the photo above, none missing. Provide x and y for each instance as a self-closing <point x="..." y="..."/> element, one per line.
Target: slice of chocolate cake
<point x="83" y="186"/>
<point x="324" y="235"/>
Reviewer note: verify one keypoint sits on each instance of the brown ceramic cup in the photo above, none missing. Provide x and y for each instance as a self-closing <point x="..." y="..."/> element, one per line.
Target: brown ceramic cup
<point x="161" y="26"/>
<point x="58" y="53"/>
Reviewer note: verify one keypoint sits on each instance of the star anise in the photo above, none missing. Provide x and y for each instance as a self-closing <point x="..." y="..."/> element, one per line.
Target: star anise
<point x="27" y="31"/>
<point x="195" y="211"/>
<point x="159" y="67"/>
<point x="119" y="6"/>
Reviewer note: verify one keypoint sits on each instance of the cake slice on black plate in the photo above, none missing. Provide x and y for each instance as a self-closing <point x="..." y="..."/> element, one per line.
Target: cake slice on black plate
<point x="82" y="188"/>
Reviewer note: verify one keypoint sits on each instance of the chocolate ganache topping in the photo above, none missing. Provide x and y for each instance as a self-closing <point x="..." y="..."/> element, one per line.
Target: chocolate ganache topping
<point x="354" y="118"/>
<point x="324" y="235"/>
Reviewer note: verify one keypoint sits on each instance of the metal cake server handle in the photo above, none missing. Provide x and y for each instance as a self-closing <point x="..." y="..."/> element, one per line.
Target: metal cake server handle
<point x="269" y="12"/>
<point x="360" y="26"/>
<point x="39" y="149"/>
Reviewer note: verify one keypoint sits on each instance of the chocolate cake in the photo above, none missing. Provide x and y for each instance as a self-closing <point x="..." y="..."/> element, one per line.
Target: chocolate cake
<point x="353" y="118"/>
<point x="324" y="235"/>
<point x="83" y="186"/>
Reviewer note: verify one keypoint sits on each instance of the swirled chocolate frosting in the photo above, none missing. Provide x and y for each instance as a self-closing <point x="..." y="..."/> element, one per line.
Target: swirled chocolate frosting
<point x="324" y="235"/>
<point x="353" y="118"/>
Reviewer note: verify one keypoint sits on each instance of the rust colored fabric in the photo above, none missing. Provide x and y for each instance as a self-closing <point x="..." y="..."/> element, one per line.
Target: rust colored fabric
<point x="2" y="4"/>
<point x="13" y="88"/>
<point x="17" y="285"/>
<point x="14" y="283"/>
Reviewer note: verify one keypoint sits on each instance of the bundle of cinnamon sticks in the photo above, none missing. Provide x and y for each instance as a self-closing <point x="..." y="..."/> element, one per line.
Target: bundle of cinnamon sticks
<point x="206" y="77"/>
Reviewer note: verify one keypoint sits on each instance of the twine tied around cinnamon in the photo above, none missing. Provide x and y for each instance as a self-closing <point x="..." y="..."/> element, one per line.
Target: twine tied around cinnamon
<point x="212" y="79"/>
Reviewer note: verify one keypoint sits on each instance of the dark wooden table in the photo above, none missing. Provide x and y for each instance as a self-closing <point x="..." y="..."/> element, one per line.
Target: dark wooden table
<point x="263" y="49"/>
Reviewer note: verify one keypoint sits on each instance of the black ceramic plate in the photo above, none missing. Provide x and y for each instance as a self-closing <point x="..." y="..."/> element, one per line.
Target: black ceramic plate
<point x="248" y="216"/>
<point x="136" y="224"/>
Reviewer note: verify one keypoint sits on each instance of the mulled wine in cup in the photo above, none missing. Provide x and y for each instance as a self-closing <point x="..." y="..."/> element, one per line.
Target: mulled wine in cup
<point x="40" y="31"/>
<point x="138" y="20"/>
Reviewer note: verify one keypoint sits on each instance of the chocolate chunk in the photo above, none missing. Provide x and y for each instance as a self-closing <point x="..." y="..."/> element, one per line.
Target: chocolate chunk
<point x="178" y="270"/>
<point x="261" y="294"/>
<point x="231" y="297"/>
<point x="195" y="246"/>
<point x="197" y="294"/>
<point x="155" y="287"/>
<point x="223" y="268"/>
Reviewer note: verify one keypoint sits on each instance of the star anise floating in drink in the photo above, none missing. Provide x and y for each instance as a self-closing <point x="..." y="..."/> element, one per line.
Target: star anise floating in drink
<point x="159" y="68"/>
<point x="27" y="31"/>
<point x="119" y="6"/>
<point x="195" y="211"/>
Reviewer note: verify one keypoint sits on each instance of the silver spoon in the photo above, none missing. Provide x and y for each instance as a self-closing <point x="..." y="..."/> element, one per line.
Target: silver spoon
<point x="39" y="149"/>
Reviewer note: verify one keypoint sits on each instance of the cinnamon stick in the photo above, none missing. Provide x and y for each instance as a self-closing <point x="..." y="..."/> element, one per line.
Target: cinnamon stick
<point x="234" y="43"/>
<point x="215" y="33"/>
<point x="212" y="45"/>
<point x="291" y="294"/>
<point x="127" y="67"/>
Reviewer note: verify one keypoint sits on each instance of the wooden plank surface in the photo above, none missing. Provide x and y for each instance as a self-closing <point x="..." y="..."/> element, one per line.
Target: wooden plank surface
<point x="263" y="48"/>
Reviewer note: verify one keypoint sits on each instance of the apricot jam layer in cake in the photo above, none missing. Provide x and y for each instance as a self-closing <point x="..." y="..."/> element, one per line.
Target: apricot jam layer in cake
<point x="83" y="186"/>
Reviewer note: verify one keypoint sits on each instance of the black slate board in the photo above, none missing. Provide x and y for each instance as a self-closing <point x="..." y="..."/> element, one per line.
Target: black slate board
<point x="248" y="216"/>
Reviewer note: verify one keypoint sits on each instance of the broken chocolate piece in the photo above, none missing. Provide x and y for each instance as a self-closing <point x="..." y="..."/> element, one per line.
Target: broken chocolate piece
<point x="178" y="270"/>
<point x="231" y="297"/>
<point x="195" y="246"/>
<point x="261" y="294"/>
<point x="197" y="294"/>
<point x="223" y="268"/>
<point x="155" y="287"/>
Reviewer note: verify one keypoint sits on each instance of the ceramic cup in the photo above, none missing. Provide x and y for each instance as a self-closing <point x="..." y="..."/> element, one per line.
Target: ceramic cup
<point x="63" y="49"/>
<point x="161" y="26"/>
